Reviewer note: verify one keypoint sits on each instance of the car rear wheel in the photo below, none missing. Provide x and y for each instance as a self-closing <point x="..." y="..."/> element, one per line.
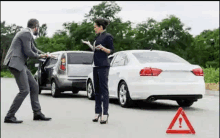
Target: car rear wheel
<point x="185" y="103"/>
<point x="90" y="91"/>
<point x="124" y="96"/>
<point x="55" y="92"/>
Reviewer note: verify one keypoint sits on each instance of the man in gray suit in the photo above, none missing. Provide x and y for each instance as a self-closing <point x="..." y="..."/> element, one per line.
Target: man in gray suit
<point x="22" y="48"/>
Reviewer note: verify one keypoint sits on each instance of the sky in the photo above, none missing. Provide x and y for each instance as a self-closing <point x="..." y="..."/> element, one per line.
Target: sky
<point x="197" y="15"/>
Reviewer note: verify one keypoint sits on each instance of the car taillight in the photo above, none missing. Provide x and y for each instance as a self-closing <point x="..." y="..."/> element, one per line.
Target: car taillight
<point x="150" y="72"/>
<point x="198" y="72"/>
<point x="63" y="64"/>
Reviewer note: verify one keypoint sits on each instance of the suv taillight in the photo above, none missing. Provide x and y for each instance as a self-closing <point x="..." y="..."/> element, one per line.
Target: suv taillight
<point x="63" y="64"/>
<point x="150" y="72"/>
<point x="198" y="72"/>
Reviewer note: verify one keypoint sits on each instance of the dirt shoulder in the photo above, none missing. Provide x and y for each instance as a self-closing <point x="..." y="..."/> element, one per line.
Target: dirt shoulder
<point x="212" y="86"/>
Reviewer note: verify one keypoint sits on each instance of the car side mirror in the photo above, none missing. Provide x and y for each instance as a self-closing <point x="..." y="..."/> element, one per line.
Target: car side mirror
<point x="36" y="65"/>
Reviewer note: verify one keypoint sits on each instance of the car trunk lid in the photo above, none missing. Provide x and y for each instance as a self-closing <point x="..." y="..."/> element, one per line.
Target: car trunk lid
<point x="79" y="64"/>
<point x="173" y="72"/>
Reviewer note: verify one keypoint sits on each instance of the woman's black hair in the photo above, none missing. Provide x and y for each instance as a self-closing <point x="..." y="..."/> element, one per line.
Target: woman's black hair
<point x="102" y="22"/>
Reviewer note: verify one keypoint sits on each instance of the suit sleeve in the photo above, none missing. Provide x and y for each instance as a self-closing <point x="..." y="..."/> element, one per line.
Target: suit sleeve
<point x="37" y="50"/>
<point x="109" y="41"/>
<point x="26" y="41"/>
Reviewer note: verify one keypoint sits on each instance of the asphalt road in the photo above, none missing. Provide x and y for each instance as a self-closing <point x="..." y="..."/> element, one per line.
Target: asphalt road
<point x="72" y="117"/>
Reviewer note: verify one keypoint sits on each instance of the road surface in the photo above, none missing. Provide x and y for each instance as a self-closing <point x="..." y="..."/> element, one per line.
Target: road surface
<point x="72" y="117"/>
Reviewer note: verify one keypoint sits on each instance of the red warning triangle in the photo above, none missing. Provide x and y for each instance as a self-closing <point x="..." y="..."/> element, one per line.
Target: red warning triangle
<point x="190" y="131"/>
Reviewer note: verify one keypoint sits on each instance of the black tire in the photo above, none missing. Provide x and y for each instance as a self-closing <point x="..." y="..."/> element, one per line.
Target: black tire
<point x="124" y="99"/>
<point x="55" y="92"/>
<point x="185" y="103"/>
<point x="75" y="91"/>
<point x="90" y="91"/>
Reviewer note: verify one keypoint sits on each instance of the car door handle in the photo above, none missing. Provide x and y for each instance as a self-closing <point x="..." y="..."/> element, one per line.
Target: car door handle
<point x="118" y="73"/>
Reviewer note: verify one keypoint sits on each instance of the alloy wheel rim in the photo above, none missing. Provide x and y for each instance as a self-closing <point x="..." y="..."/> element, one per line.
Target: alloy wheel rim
<point x="53" y="88"/>
<point x="122" y="94"/>
<point x="89" y="90"/>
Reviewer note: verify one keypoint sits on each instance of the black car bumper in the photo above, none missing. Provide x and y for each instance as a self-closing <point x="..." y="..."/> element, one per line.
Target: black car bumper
<point x="175" y="97"/>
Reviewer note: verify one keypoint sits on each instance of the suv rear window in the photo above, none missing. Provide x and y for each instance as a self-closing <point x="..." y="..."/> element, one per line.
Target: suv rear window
<point x="155" y="57"/>
<point x="80" y="58"/>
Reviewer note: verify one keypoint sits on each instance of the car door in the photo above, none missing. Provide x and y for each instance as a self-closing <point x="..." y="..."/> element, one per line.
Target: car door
<point x="44" y="74"/>
<point x="49" y="68"/>
<point x="39" y="71"/>
<point x="115" y="70"/>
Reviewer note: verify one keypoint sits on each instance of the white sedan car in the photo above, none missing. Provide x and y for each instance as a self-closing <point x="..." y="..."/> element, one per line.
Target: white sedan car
<point x="152" y="75"/>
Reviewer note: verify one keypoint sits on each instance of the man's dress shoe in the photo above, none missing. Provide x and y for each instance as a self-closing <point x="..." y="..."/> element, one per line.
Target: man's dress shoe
<point x="41" y="117"/>
<point x="12" y="120"/>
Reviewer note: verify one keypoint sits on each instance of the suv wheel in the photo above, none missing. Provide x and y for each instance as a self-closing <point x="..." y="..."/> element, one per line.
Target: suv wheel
<point x="54" y="89"/>
<point x="90" y="91"/>
<point x="185" y="103"/>
<point x="124" y="96"/>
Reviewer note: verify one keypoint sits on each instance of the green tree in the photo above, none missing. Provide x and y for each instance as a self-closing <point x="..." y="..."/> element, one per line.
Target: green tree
<point x="121" y="31"/>
<point x="205" y="50"/>
<point x="43" y="30"/>
<point x="173" y="37"/>
<point x="107" y="9"/>
<point x="147" y="34"/>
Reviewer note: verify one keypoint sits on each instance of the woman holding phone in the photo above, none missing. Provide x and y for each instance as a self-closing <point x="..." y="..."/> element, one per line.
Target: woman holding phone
<point x="102" y="47"/>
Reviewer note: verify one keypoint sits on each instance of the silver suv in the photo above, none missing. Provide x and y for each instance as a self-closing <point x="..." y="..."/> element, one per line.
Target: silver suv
<point x="68" y="71"/>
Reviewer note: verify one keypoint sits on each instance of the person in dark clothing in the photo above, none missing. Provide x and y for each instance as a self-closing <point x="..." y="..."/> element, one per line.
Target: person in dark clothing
<point x="102" y="47"/>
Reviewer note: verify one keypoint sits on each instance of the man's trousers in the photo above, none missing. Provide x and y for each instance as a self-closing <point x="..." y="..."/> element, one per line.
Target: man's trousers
<point x="26" y="84"/>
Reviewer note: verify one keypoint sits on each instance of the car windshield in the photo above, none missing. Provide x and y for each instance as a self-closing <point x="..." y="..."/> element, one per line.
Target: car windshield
<point x="155" y="57"/>
<point x="80" y="58"/>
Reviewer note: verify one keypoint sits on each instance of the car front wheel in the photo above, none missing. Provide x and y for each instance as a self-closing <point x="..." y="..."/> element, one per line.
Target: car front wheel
<point x="185" y="103"/>
<point x="124" y="96"/>
<point x="54" y="89"/>
<point x="90" y="92"/>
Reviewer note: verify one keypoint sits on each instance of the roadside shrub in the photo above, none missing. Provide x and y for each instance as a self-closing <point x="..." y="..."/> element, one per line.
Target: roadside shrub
<point x="211" y="75"/>
<point x="6" y="74"/>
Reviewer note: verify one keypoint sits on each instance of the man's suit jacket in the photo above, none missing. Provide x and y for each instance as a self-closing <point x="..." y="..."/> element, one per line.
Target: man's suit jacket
<point x="22" y="48"/>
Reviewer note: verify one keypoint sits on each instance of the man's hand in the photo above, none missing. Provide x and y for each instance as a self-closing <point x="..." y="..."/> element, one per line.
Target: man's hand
<point x="43" y="55"/>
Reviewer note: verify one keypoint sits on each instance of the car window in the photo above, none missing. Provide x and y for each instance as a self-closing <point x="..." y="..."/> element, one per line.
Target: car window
<point x="110" y="59"/>
<point x="119" y="60"/>
<point x="47" y="62"/>
<point x="126" y="60"/>
<point x="154" y="57"/>
<point x="53" y="61"/>
<point x="80" y="58"/>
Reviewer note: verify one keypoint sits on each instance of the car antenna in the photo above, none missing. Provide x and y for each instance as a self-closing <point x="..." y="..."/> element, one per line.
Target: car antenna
<point x="151" y="48"/>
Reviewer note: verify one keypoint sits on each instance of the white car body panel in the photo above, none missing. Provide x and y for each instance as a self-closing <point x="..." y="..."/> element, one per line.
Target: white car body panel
<point x="175" y="79"/>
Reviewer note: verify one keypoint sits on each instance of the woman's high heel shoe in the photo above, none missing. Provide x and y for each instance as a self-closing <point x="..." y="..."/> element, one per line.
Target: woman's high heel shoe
<point x="104" y="121"/>
<point x="96" y="119"/>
